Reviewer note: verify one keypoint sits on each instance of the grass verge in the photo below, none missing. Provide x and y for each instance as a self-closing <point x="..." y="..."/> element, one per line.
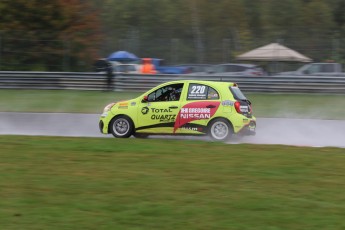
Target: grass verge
<point x="265" y="105"/>
<point x="101" y="183"/>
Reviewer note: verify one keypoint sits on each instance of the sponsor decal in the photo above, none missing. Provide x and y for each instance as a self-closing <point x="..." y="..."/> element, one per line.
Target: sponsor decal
<point x="193" y="127"/>
<point x="227" y="103"/>
<point x="161" y="110"/>
<point x="212" y="96"/>
<point x="160" y="115"/>
<point x="197" y="92"/>
<point x="197" y="113"/>
<point x="145" y="110"/>
<point x="244" y="109"/>
<point x="133" y="103"/>
<point x="163" y="117"/>
<point x="202" y="110"/>
<point x="190" y="128"/>
<point x="123" y="105"/>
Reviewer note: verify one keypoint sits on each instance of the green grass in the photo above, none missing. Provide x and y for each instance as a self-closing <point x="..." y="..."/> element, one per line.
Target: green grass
<point x="72" y="101"/>
<point x="320" y="106"/>
<point x="100" y="183"/>
<point x="265" y="105"/>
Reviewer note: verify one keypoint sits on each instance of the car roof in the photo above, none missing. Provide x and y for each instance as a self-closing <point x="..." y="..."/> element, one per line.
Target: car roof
<point x="210" y="83"/>
<point x="202" y="82"/>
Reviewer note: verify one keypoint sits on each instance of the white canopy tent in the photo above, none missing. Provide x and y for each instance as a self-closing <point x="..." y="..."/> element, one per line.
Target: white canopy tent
<point x="273" y="52"/>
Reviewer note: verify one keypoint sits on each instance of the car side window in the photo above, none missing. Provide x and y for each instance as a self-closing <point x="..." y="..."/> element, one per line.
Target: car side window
<point x="230" y="68"/>
<point x="201" y="92"/>
<point x="241" y="69"/>
<point x="314" y="69"/>
<point x="326" y="68"/>
<point x="166" y="93"/>
<point x="212" y="94"/>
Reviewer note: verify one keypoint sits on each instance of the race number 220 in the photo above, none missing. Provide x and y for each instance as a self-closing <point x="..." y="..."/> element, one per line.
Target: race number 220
<point x="198" y="89"/>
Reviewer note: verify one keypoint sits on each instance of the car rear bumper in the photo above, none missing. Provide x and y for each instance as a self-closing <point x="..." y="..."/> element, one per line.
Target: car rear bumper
<point x="249" y="129"/>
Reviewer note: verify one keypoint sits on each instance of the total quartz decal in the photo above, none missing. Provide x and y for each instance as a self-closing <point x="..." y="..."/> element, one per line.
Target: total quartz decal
<point x="196" y="111"/>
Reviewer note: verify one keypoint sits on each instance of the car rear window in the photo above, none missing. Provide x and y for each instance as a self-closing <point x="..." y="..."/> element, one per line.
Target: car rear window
<point x="238" y="95"/>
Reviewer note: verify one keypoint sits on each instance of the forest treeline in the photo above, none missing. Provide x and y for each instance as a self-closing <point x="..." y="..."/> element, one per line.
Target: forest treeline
<point x="68" y="35"/>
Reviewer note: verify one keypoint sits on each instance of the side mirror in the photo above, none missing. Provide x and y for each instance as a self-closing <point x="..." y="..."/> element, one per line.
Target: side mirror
<point x="145" y="98"/>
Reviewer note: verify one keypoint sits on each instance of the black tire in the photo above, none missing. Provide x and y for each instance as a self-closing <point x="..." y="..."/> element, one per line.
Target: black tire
<point x="121" y="127"/>
<point x="220" y="130"/>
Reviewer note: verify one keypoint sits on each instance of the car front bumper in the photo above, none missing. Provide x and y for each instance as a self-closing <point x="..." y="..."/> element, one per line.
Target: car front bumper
<point x="104" y="122"/>
<point x="101" y="126"/>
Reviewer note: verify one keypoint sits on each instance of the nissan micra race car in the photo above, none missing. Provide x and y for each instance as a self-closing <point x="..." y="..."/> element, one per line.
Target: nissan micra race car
<point x="186" y="107"/>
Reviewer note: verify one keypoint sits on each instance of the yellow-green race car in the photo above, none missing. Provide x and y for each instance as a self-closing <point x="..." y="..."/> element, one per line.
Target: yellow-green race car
<point x="186" y="107"/>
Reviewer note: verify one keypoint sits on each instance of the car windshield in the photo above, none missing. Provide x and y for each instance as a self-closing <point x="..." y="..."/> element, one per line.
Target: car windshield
<point x="238" y="95"/>
<point x="305" y="67"/>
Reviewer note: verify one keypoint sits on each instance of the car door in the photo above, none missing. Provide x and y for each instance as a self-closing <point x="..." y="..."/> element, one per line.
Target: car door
<point x="158" y="113"/>
<point x="200" y="105"/>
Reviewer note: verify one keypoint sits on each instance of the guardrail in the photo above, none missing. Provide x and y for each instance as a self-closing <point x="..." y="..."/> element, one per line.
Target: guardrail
<point x="139" y="82"/>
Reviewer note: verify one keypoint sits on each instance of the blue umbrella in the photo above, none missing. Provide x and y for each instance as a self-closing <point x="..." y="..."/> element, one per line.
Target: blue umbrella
<point x="122" y="56"/>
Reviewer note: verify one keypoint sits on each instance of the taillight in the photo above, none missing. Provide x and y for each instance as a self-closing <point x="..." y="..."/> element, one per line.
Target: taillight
<point x="250" y="109"/>
<point x="242" y="109"/>
<point x="238" y="107"/>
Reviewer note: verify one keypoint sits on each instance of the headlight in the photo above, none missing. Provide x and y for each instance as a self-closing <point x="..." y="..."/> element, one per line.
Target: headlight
<point x="108" y="107"/>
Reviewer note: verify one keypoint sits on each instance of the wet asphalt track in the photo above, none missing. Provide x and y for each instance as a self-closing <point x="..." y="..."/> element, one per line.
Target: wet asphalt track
<point x="300" y="132"/>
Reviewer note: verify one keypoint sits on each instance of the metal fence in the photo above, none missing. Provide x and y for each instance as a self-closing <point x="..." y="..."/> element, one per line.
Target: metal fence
<point x="141" y="83"/>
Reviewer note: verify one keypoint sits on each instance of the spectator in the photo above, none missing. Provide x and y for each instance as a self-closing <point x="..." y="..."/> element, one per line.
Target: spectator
<point x="147" y="66"/>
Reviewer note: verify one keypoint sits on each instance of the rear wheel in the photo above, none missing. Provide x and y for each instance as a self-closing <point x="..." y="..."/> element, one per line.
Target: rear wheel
<point x="121" y="127"/>
<point x="220" y="130"/>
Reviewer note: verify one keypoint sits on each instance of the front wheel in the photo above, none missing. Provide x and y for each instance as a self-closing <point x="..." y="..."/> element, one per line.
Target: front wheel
<point x="220" y="130"/>
<point x="121" y="127"/>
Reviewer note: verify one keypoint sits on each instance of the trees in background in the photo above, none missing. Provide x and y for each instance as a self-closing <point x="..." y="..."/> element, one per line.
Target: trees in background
<point x="70" y="34"/>
<point x="52" y="36"/>
<point x="225" y="28"/>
